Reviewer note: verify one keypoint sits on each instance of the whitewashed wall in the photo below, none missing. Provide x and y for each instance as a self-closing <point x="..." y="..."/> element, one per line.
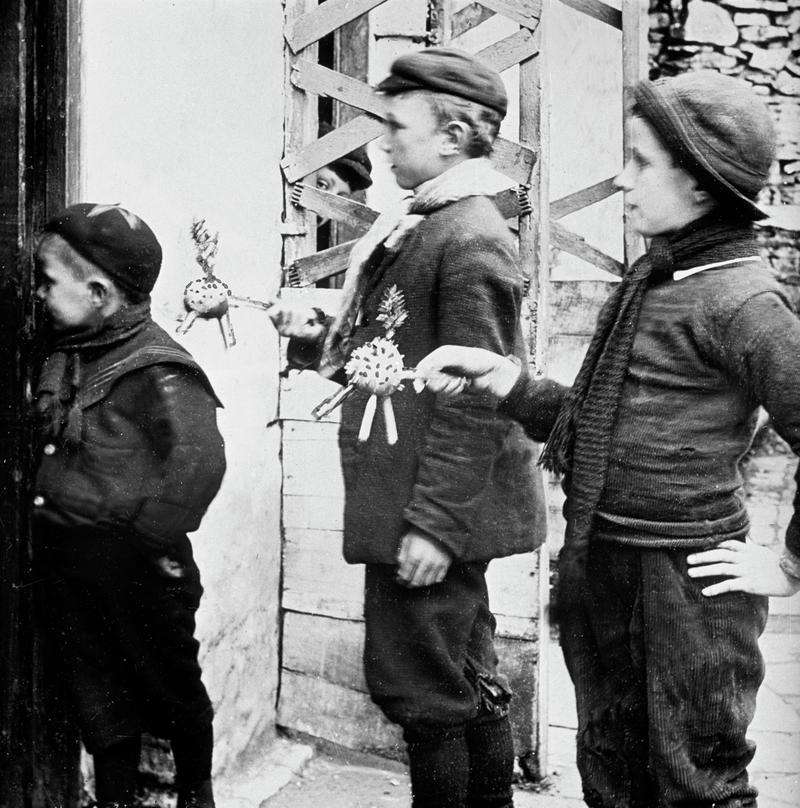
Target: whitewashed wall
<point x="182" y="114"/>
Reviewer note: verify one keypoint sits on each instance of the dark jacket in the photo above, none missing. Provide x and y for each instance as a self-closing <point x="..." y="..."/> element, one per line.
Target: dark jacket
<point x="460" y="472"/>
<point x="150" y="458"/>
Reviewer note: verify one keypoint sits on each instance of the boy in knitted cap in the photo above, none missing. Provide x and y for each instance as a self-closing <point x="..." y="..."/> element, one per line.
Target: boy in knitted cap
<point x="428" y="512"/>
<point x="129" y="458"/>
<point x="662" y="597"/>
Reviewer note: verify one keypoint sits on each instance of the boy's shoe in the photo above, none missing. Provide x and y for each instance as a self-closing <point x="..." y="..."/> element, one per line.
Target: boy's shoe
<point x="200" y="795"/>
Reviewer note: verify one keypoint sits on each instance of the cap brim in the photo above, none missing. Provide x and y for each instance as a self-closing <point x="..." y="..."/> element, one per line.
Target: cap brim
<point x="393" y="84"/>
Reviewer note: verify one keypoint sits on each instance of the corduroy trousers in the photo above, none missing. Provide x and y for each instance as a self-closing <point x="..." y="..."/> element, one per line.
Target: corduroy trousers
<point x="665" y="681"/>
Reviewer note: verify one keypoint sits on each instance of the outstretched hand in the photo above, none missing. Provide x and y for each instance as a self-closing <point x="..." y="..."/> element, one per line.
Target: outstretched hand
<point x="452" y="368"/>
<point x="421" y="561"/>
<point x="301" y="323"/>
<point x="748" y="567"/>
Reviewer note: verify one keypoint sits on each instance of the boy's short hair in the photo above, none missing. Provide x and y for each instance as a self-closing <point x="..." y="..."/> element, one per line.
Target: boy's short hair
<point x="115" y="241"/>
<point x="483" y="122"/>
<point x="717" y="129"/>
<point x="458" y="87"/>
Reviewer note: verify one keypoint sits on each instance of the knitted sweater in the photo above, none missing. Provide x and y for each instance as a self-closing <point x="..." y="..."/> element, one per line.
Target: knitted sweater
<point x="709" y="349"/>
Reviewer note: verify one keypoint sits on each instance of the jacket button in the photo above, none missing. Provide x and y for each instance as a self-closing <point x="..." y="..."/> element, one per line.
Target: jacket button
<point x="49" y="449"/>
<point x="38" y="500"/>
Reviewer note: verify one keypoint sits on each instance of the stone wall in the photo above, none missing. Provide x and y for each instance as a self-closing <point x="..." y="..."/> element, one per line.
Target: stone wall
<point x="758" y="41"/>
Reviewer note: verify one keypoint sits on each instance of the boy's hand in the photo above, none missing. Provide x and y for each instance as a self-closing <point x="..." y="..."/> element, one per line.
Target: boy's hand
<point x="451" y="368"/>
<point x="750" y="568"/>
<point x="302" y="324"/>
<point x="421" y="561"/>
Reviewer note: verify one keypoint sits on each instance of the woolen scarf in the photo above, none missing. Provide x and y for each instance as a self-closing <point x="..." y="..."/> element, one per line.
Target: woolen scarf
<point x="62" y="372"/>
<point x="579" y="443"/>
<point x="475" y="177"/>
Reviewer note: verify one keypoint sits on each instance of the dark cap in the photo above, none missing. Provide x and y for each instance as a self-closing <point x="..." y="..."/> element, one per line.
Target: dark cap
<point x="115" y="240"/>
<point x="717" y="129"/>
<point x="446" y="70"/>
<point x="355" y="168"/>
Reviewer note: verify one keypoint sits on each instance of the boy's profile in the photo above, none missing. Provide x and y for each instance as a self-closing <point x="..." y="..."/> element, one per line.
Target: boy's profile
<point x="129" y="458"/>
<point x="428" y="512"/>
<point x="662" y="596"/>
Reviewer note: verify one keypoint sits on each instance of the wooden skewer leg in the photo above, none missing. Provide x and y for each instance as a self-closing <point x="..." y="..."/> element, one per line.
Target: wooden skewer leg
<point x="391" y="424"/>
<point x="331" y="402"/>
<point x="369" y="415"/>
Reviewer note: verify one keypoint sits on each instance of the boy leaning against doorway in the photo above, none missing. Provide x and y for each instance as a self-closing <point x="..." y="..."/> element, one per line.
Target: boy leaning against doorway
<point x="428" y="513"/>
<point x="662" y="596"/>
<point x="130" y="458"/>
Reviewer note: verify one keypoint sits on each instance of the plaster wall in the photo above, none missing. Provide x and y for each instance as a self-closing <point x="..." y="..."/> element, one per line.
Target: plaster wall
<point x="181" y="118"/>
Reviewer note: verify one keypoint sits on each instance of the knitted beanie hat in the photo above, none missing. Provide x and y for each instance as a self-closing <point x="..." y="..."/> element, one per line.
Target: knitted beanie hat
<point x="447" y="70"/>
<point x="717" y="129"/>
<point x="354" y="167"/>
<point x="115" y="240"/>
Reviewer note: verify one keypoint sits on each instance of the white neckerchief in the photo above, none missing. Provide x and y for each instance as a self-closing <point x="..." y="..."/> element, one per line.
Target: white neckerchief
<point x="685" y="273"/>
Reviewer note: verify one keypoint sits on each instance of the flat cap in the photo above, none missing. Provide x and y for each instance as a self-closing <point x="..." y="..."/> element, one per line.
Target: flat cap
<point x="447" y="70"/>
<point x="114" y="240"/>
<point x="718" y="129"/>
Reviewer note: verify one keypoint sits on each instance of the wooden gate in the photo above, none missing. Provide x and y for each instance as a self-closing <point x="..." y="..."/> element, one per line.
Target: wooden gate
<point x="322" y="689"/>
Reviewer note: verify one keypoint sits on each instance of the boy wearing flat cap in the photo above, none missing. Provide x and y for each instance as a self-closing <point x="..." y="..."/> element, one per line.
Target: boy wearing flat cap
<point x="129" y="458"/>
<point x="428" y="512"/>
<point x="662" y="596"/>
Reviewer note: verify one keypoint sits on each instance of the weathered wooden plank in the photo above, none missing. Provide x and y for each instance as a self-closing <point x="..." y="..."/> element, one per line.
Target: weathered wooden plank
<point x="566" y="352"/>
<point x="339" y="714"/>
<point x="598" y="10"/>
<point x="329" y="648"/>
<point x="574" y="305"/>
<point x="309" y="269"/>
<point x="583" y="198"/>
<point x="313" y="25"/>
<point x="311" y="468"/>
<point x="526" y="12"/>
<point x="317" y="580"/>
<point x="314" y="78"/>
<point x="572" y="243"/>
<point x="510" y="51"/>
<point x="333" y="206"/>
<point x="467" y="18"/>
<point x="301" y="391"/>
<point x="514" y="160"/>
<point x="315" y="513"/>
<point x="301" y="162"/>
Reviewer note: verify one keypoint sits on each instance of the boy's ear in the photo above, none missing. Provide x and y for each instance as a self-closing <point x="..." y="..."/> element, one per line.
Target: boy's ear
<point x="456" y="137"/>
<point x="703" y="198"/>
<point x="100" y="290"/>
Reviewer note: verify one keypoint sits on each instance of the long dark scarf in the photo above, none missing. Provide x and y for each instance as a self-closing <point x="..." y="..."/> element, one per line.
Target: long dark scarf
<point x="579" y="442"/>
<point x="62" y="374"/>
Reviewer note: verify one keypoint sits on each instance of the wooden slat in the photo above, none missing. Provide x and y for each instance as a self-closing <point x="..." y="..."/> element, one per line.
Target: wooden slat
<point x="314" y="78"/>
<point x="469" y="17"/>
<point x="330" y="147"/>
<point x="526" y="12"/>
<point x="339" y="714"/>
<point x="313" y="513"/>
<point x="598" y="10"/>
<point x="313" y="25"/>
<point x="510" y="51"/>
<point x="326" y="647"/>
<point x="309" y="269"/>
<point x="514" y="160"/>
<point x="583" y="198"/>
<point x="333" y="206"/>
<point x="573" y="244"/>
<point x="316" y="579"/>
